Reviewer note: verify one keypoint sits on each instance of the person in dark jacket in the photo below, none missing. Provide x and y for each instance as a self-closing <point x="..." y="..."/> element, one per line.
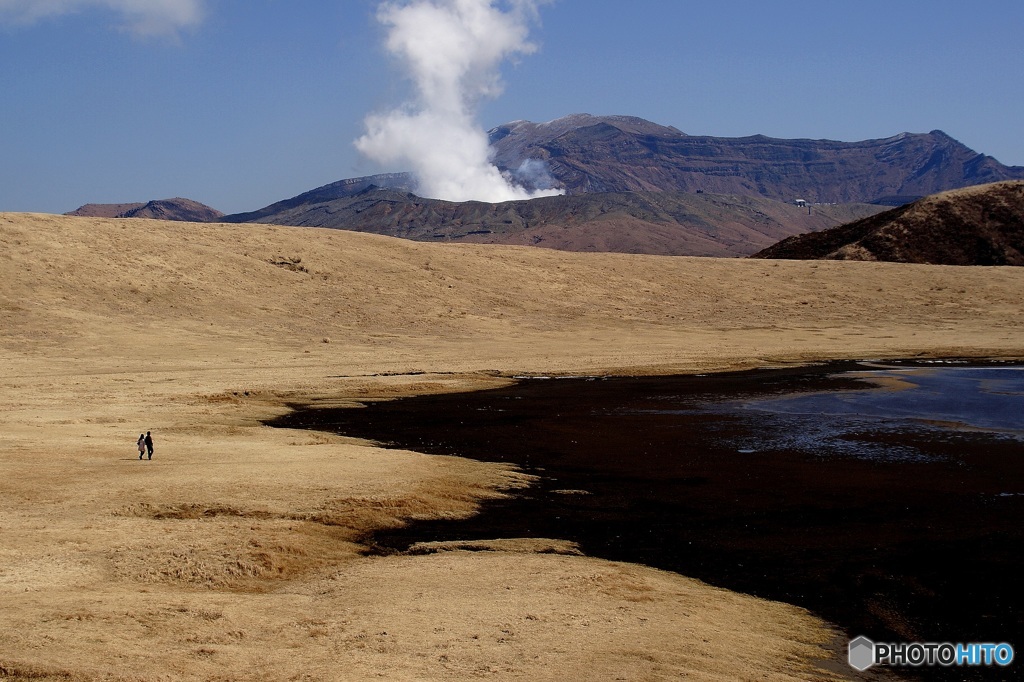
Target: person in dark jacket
<point x="149" y="445"/>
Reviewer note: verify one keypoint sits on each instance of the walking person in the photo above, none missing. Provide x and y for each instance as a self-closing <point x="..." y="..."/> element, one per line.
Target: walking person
<point x="149" y="444"/>
<point x="142" y="445"/>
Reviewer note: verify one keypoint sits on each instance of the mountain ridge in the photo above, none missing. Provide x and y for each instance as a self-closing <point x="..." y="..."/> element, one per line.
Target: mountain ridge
<point x="587" y="153"/>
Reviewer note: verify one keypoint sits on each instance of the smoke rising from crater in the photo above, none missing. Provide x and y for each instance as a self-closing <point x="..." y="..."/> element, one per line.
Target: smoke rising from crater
<point x="452" y="50"/>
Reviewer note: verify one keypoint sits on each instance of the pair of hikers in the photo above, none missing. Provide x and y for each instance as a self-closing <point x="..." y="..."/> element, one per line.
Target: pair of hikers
<point x="145" y="444"/>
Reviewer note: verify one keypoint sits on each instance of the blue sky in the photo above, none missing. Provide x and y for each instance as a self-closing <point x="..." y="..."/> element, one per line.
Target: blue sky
<point x="239" y="103"/>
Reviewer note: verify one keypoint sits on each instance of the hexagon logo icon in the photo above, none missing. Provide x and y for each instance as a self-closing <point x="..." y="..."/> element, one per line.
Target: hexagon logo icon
<point x="862" y="653"/>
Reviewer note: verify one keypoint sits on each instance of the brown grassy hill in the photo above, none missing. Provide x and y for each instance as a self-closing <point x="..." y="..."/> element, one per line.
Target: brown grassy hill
<point x="160" y="209"/>
<point x="662" y="223"/>
<point x="981" y="225"/>
<point x="238" y="552"/>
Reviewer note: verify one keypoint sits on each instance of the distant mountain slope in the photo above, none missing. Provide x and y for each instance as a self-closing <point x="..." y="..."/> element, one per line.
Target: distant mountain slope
<point x="341" y="189"/>
<point x="104" y="210"/>
<point x="667" y="223"/>
<point x="587" y="153"/>
<point x="160" y="209"/>
<point x="974" y="226"/>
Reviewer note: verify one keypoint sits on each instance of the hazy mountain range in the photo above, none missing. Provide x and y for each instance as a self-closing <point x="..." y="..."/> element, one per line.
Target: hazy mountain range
<point x="636" y="186"/>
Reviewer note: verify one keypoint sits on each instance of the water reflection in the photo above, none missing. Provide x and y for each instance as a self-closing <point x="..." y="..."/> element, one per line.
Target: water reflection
<point x="988" y="398"/>
<point x="942" y="405"/>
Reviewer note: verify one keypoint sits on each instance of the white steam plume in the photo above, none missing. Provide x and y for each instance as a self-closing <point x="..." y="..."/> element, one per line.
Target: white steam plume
<point x="453" y="49"/>
<point x="141" y="17"/>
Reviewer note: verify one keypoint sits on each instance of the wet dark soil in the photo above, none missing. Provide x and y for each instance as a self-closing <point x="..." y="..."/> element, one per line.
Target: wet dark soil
<point x="897" y="530"/>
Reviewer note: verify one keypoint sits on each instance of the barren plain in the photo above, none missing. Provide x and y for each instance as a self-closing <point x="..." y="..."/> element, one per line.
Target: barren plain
<point x="235" y="554"/>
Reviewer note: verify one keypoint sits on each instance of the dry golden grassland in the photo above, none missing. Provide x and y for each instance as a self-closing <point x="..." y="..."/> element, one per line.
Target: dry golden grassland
<point x="236" y="553"/>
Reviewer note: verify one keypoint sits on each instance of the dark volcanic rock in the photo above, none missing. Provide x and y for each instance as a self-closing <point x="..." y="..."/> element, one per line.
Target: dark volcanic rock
<point x="175" y="209"/>
<point x="587" y="153"/>
<point x="974" y="226"/>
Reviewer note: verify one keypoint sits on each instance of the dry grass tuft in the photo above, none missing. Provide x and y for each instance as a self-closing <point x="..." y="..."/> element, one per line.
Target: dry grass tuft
<point x="510" y="545"/>
<point x="293" y="263"/>
<point x="187" y="510"/>
<point x="24" y="673"/>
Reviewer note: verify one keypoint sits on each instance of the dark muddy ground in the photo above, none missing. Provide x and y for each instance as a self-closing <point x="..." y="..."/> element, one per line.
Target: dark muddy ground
<point x="868" y="515"/>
